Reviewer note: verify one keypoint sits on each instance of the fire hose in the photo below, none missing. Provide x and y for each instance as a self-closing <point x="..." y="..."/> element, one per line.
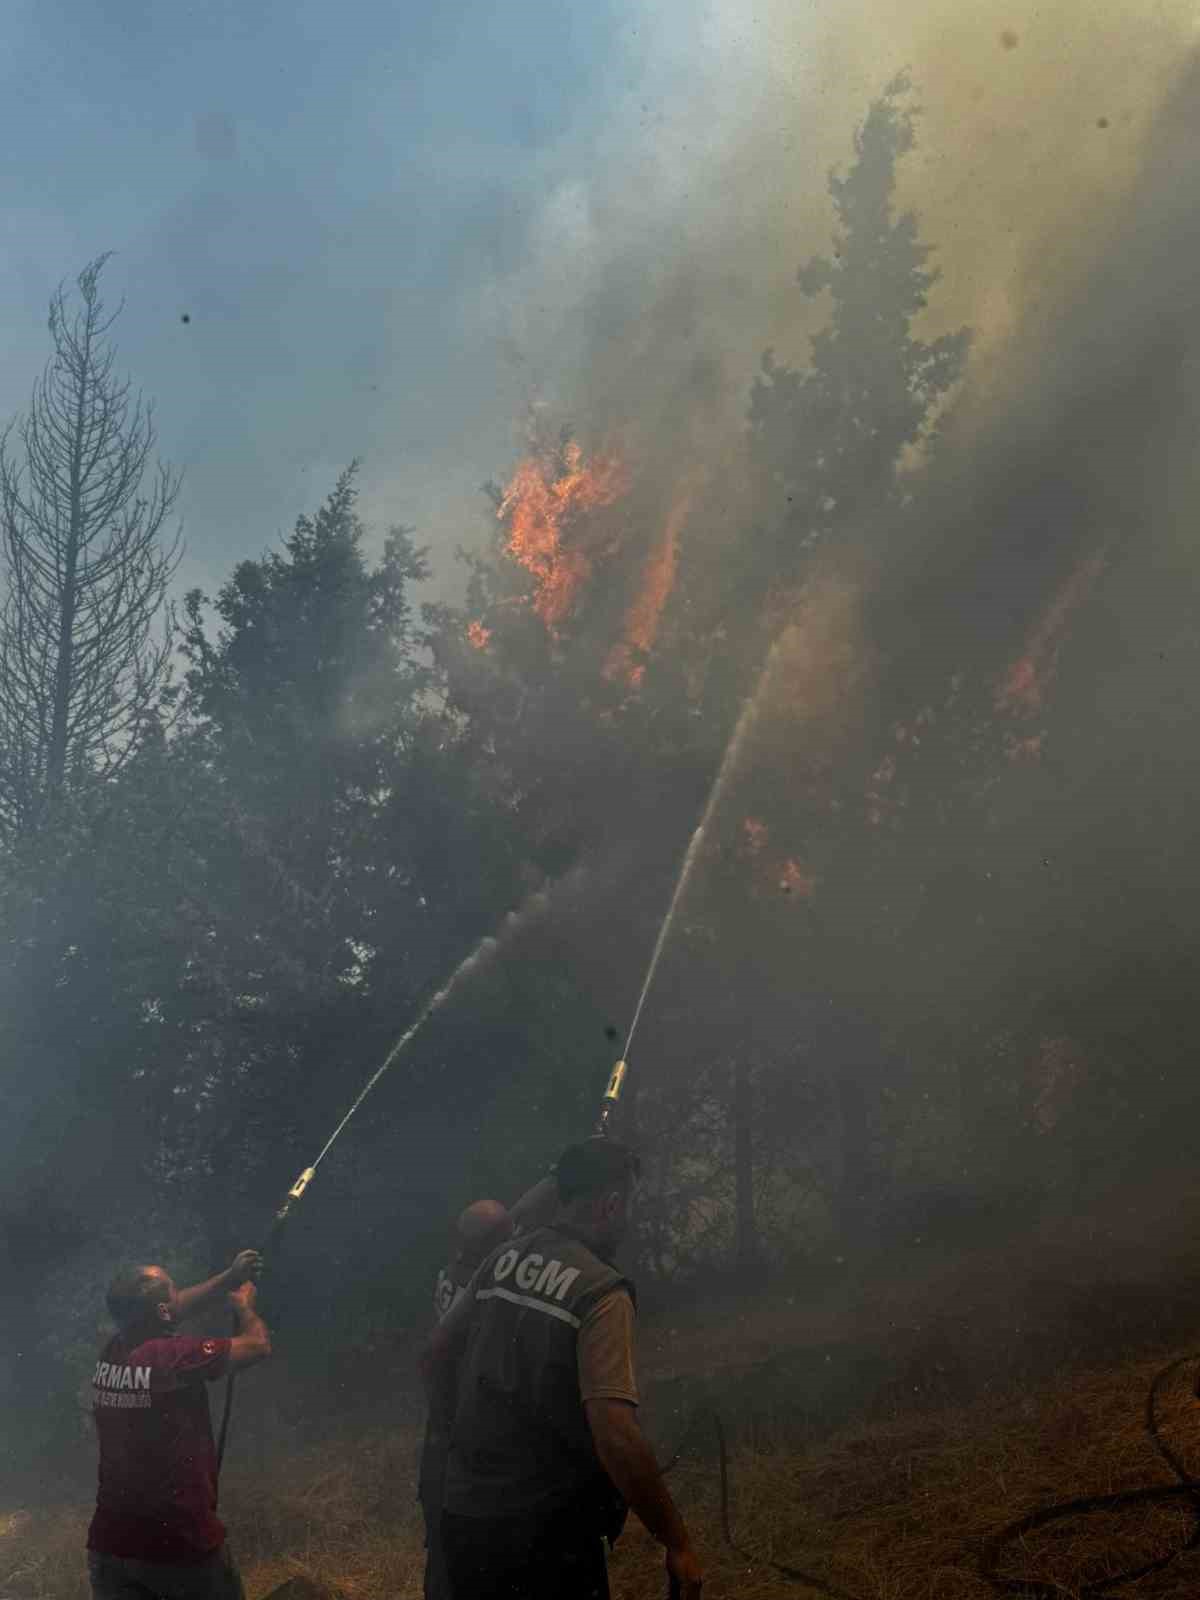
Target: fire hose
<point x="616" y="1081"/>
<point x="780" y="1568"/>
<point x="294" y="1193"/>
<point x="612" y="1095"/>
<point x="1187" y="1489"/>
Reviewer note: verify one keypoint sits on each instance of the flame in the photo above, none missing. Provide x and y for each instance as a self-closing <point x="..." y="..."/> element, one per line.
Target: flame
<point x="791" y="877"/>
<point x="756" y="832"/>
<point x="478" y="636"/>
<point x="1028" y="749"/>
<point x="542" y="506"/>
<point x="879" y="803"/>
<point x="795" y="880"/>
<point x="644" y="615"/>
<point x="1023" y="690"/>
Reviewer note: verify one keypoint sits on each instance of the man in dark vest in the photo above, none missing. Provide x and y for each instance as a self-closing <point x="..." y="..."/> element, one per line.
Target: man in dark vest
<point x="546" y="1453"/>
<point x="482" y="1228"/>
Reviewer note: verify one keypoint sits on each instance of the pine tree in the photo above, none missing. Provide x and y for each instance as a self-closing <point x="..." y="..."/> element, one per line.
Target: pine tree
<point x="83" y="660"/>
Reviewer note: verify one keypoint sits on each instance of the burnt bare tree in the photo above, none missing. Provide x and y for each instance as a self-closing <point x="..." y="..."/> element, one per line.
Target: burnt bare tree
<point x="86" y="628"/>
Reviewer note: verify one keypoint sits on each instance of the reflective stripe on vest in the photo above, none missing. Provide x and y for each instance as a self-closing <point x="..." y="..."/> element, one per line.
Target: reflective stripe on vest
<point x="497" y="1293"/>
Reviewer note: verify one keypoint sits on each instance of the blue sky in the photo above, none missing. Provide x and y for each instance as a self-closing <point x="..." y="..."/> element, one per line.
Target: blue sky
<point x="321" y="188"/>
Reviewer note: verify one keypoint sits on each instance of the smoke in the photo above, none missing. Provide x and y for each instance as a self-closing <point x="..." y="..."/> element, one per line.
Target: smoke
<point x="662" y="260"/>
<point x="1052" y="522"/>
<point x="662" y="263"/>
<point x="1077" y="443"/>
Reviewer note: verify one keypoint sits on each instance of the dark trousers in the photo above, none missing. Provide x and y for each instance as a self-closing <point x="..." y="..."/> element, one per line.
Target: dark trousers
<point x="437" y="1578"/>
<point x="549" y="1557"/>
<point x="121" y="1578"/>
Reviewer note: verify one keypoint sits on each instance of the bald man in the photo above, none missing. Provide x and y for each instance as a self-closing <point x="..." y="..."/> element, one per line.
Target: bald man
<point x="480" y="1230"/>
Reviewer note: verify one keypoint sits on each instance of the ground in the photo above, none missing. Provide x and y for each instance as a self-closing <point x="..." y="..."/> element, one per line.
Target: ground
<point x="895" y="1509"/>
<point x="880" y="1432"/>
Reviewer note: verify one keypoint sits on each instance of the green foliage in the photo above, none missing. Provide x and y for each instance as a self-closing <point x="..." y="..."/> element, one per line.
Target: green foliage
<point x="830" y="438"/>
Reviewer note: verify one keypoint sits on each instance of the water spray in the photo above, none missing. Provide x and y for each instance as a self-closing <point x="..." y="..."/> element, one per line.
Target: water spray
<point x="479" y="957"/>
<point x="487" y="948"/>
<point x="745" y="721"/>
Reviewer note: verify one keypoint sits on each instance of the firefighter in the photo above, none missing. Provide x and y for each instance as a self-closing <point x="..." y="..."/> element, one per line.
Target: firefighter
<point x="156" y="1532"/>
<point x="480" y="1229"/>
<point x="546" y="1454"/>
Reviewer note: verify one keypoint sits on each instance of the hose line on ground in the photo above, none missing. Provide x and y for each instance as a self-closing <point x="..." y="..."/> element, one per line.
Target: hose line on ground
<point x="792" y="1574"/>
<point x="1186" y="1489"/>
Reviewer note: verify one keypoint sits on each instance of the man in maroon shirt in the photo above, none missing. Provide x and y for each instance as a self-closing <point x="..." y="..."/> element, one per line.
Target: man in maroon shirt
<point x="155" y="1534"/>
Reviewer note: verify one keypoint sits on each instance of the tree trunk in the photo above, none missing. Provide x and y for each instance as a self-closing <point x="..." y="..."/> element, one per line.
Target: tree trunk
<point x="64" y="678"/>
<point x="748" y="1255"/>
<point x="855" y="1178"/>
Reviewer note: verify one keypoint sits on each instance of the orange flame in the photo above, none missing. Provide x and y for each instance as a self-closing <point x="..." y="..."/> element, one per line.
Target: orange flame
<point x="1023" y="690"/>
<point x="756" y="832"/>
<point x="542" y="506"/>
<point x="879" y="803"/>
<point x="1025" y="750"/>
<point x="644" y="615"/>
<point x="794" y="880"/>
<point x="478" y="636"/>
<point x="790" y="877"/>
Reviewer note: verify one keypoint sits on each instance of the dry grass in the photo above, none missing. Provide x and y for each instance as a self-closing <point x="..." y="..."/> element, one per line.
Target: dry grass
<point x="895" y="1510"/>
<point x="901" y="1510"/>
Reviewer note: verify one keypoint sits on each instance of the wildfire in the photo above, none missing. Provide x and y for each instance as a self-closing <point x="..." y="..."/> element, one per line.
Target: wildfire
<point x="1025" y="750"/>
<point x="879" y="803"/>
<point x="882" y="800"/>
<point x="542" y="508"/>
<point x="645" y="614"/>
<point x="1023" y="689"/>
<point x="757" y="833"/>
<point x="794" y="880"/>
<point x="790" y="877"/>
<point x="478" y="636"/>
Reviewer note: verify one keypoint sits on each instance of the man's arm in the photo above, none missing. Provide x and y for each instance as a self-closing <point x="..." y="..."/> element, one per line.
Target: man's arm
<point x="629" y="1462"/>
<point x="609" y="1391"/>
<point x="251" y="1341"/>
<point x="537" y="1206"/>
<point x="244" y="1268"/>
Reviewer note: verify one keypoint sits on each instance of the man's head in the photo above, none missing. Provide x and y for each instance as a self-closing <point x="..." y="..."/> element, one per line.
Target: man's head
<point x="481" y="1228"/>
<point x="596" y="1182"/>
<point x="143" y="1300"/>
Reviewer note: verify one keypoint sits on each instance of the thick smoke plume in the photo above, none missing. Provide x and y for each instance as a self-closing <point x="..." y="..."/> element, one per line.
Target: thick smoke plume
<point x="662" y="261"/>
<point x="1045" y="558"/>
<point x="662" y="266"/>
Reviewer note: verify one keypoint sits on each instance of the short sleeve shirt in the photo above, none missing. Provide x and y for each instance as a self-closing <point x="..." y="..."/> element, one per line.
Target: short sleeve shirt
<point x="157" y="1496"/>
<point x="604" y="1350"/>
